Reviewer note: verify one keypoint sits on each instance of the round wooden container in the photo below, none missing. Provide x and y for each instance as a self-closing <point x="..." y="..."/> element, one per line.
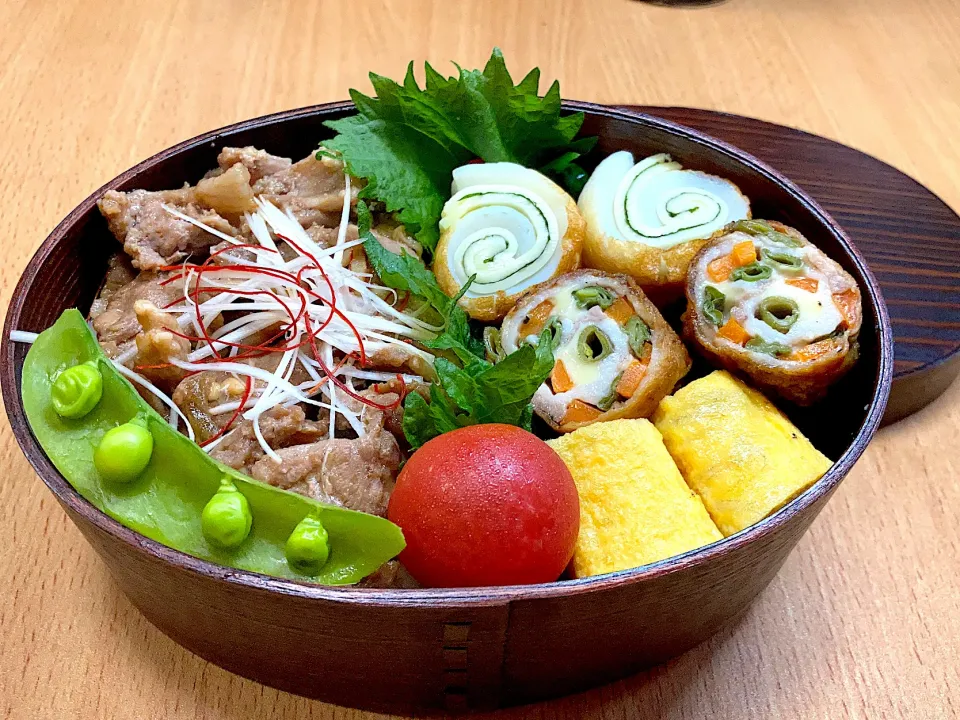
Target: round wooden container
<point x="425" y="650"/>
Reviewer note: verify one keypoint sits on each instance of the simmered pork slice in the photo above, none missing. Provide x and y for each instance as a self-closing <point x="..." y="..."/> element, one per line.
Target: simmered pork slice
<point x="151" y="236"/>
<point x="113" y="315"/>
<point x="200" y="394"/>
<point x="157" y="344"/>
<point x="311" y="189"/>
<point x="258" y="163"/>
<point x="385" y="394"/>
<point x="281" y="426"/>
<point x="390" y="575"/>
<point x="356" y="474"/>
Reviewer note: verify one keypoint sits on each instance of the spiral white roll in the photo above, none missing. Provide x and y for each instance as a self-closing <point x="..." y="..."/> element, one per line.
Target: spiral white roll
<point x="505" y="225"/>
<point x="658" y="203"/>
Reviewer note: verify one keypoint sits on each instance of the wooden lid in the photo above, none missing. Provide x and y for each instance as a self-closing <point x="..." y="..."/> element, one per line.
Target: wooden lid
<point x="909" y="236"/>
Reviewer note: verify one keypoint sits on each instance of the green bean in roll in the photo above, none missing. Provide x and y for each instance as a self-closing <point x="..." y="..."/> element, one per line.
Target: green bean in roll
<point x="615" y="355"/>
<point x="764" y="301"/>
<point x="509" y="228"/>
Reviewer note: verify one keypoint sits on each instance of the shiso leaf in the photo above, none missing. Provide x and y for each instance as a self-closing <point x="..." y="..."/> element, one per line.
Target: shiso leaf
<point x="407" y="140"/>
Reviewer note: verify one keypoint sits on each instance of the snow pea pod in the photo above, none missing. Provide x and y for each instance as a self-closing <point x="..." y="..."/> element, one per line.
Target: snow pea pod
<point x="166" y="500"/>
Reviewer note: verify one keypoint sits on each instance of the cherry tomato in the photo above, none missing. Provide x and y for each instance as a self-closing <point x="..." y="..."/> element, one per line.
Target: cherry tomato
<point x="486" y="505"/>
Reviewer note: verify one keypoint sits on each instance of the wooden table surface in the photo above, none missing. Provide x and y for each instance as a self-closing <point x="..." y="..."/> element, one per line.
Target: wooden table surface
<point x="864" y="619"/>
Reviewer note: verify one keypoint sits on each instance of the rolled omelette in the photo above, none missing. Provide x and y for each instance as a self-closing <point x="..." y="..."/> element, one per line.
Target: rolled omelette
<point x="615" y="355"/>
<point x="648" y="219"/>
<point x="509" y="228"/>
<point x="635" y="507"/>
<point x="764" y="301"/>
<point x="742" y="456"/>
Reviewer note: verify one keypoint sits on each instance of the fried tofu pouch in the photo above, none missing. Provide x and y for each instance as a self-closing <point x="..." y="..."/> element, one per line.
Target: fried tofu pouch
<point x="635" y="507"/>
<point x="743" y="456"/>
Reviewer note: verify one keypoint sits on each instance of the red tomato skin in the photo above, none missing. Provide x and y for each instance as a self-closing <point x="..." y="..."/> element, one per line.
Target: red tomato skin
<point x="486" y="505"/>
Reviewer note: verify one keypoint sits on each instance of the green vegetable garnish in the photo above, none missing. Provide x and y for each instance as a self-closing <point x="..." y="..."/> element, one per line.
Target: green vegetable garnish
<point x="776" y="349"/>
<point x="124" y="451"/>
<point x="308" y="547"/>
<point x="77" y="390"/>
<point x="472" y="390"/>
<point x="753" y="272"/>
<point x="784" y="259"/>
<point x="778" y="312"/>
<point x="638" y="334"/>
<point x="594" y="295"/>
<point x="593" y="344"/>
<point x="406" y="141"/>
<point x="479" y="393"/>
<point x="713" y="305"/>
<point x="166" y="500"/>
<point x="408" y="272"/>
<point x="565" y="172"/>
<point x="226" y="519"/>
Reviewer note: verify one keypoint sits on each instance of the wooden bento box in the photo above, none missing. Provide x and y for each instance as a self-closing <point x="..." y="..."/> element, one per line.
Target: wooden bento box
<point x="422" y="650"/>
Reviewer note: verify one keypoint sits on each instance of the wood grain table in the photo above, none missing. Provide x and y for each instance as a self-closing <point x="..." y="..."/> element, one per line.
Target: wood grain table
<point x="864" y="619"/>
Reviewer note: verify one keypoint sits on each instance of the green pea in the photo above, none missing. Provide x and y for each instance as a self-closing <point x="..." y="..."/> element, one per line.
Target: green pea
<point x="713" y="305"/>
<point x="753" y="272"/>
<point x="768" y="348"/>
<point x="594" y="345"/>
<point x="784" y="259"/>
<point x="638" y="334"/>
<point x="778" y="312"/>
<point x="588" y="297"/>
<point x="308" y="546"/>
<point x="492" y="344"/>
<point x="77" y="390"/>
<point x="124" y="451"/>
<point x="226" y="518"/>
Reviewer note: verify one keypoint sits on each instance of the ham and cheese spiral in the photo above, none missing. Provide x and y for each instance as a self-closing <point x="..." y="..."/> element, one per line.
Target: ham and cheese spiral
<point x="510" y="228"/>
<point x="762" y="300"/>
<point x="616" y="357"/>
<point x="648" y="219"/>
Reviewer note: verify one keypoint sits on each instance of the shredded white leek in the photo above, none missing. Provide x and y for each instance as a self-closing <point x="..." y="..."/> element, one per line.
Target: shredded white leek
<point x="362" y="309"/>
<point x="23" y="336"/>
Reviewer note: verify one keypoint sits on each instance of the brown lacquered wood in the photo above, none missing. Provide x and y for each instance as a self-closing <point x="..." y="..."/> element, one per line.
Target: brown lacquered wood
<point x="909" y="236"/>
<point x="474" y="648"/>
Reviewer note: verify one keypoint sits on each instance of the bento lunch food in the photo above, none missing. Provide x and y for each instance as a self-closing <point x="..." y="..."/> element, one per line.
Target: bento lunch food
<point x="411" y="359"/>
<point x="637" y="508"/>
<point x="648" y="218"/>
<point x="741" y="455"/>
<point x="509" y="228"/>
<point x="615" y="356"/>
<point x="764" y="301"/>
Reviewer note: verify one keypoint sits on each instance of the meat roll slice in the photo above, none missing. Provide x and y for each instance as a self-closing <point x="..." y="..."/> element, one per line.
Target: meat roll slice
<point x="511" y="228"/>
<point x="648" y="219"/>
<point x="616" y="357"/>
<point x="764" y="301"/>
